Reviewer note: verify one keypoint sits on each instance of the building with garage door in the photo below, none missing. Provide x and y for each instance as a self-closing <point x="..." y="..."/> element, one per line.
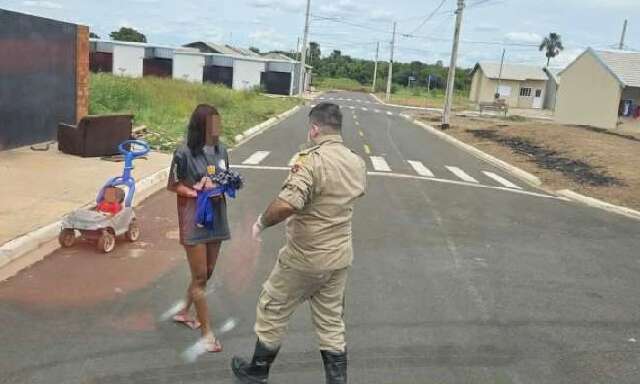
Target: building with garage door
<point x="601" y="89"/>
<point x="143" y="59"/>
<point x="521" y="86"/>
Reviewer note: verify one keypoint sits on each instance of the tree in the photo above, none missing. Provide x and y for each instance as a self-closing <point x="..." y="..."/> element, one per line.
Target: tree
<point x="128" y="34"/>
<point x="93" y="36"/>
<point x="254" y="49"/>
<point x="553" y="46"/>
<point x="314" y="52"/>
<point x="336" y="54"/>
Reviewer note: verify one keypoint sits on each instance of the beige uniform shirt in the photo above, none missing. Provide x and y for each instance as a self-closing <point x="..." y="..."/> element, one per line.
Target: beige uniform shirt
<point x="322" y="186"/>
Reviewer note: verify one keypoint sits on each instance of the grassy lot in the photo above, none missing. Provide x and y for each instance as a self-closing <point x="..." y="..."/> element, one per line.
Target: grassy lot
<point x="165" y="105"/>
<point x="343" y="84"/>
<point x="419" y="97"/>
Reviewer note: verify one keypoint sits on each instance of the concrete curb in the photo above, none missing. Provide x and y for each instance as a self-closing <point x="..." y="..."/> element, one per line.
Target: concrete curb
<point x="405" y="106"/>
<point x="24" y="251"/>
<point x="260" y="128"/>
<point x="595" y="203"/>
<point x="515" y="171"/>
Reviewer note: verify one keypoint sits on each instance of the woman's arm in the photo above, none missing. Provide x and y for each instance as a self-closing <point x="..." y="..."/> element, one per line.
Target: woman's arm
<point x="182" y="190"/>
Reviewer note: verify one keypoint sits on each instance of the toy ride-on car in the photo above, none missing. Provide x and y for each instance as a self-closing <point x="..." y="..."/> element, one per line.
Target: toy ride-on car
<point x="109" y="219"/>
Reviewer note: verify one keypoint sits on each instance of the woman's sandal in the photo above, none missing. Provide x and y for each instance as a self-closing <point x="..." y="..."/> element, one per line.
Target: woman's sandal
<point x="187" y="321"/>
<point x="212" y="345"/>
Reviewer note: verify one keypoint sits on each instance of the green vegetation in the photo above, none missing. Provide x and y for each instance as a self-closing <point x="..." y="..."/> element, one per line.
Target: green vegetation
<point x="165" y="105"/>
<point x="341" y="83"/>
<point x="419" y="97"/>
<point x="128" y="34"/>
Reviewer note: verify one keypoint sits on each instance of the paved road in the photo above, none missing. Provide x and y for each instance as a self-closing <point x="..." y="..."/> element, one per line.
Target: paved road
<point x="461" y="277"/>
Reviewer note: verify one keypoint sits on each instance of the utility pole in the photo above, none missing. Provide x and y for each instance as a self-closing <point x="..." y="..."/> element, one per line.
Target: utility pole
<point x="448" y="100"/>
<point x="298" y="48"/>
<point x="497" y="95"/>
<point x="390" y="76"/>
<point x="303" y="51"/>
<point x="375" y="69"/>
<point x="624" y="34"/>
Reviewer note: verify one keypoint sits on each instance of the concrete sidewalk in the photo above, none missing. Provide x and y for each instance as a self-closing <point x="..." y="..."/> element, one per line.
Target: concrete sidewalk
<point x="38" y="188"/>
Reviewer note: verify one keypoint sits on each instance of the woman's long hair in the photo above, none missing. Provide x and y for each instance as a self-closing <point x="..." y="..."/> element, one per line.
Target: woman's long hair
<point x="197" y="129"/>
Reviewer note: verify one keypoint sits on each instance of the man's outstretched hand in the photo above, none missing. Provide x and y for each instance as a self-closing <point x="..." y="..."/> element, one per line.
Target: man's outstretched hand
<point x="256" y="230"/>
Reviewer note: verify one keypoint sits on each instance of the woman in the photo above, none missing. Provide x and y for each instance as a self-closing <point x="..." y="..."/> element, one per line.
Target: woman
<point x="192" y="165"/>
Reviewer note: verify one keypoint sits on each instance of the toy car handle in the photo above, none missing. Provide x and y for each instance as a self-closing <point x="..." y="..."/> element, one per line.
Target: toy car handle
<point x="124" y="151"/>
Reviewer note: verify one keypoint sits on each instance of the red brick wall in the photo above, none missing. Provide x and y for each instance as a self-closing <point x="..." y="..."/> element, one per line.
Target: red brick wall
<point x="82" y="72"/>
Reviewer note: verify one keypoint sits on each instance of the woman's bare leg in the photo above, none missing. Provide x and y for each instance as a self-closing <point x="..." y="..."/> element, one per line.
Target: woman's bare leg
<point x="213" y="250"/>
<point x="197" y="256"/>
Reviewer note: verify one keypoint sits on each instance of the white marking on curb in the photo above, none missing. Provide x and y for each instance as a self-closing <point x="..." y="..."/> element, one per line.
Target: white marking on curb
<point x="256" y="158"/>
<point x="501" y="180"/>
<point x="420" y="168"/>
<point x="461" y="174"/>
<point x="379" y="164"/>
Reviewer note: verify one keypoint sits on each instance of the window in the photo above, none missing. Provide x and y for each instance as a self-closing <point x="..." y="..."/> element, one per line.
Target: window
<point x="525" y="92"/>
<point x="538" y="92"/>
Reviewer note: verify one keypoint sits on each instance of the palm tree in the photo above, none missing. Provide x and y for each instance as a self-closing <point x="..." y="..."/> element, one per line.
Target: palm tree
<point x="553" y="45"/>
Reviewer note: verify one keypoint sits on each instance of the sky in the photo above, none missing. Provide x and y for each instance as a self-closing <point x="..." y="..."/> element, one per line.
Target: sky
<point x="425" y="27"/>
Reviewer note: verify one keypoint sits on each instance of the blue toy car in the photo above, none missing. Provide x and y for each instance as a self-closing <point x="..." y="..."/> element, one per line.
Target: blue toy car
<point x="103" y="227"/>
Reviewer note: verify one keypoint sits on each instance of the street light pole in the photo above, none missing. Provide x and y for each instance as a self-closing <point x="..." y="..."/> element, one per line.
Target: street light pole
<point x="375" y="69"/>
<point x="452" y="67"/>
<point x="390" y="76"/>
<point x="303" y="51"/>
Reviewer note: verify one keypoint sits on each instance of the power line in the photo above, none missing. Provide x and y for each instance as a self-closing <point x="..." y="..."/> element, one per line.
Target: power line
<point x="341" y="21"/>
<point x="429" y="16"/>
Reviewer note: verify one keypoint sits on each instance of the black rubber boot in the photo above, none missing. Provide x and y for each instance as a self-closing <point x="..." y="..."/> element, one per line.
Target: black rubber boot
<point x="335" y="367"/>
<point x="256" y="371"/>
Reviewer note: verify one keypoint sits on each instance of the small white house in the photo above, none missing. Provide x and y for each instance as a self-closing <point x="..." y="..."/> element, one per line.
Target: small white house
<point x="247" y="73"/>
<point x="188" y="66"/>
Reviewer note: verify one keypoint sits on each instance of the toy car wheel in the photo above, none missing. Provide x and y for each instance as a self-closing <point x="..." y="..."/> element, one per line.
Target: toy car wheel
<point x="106" y="242"/>
<point x="67" y="237"/>
<point x="133" y="234"/>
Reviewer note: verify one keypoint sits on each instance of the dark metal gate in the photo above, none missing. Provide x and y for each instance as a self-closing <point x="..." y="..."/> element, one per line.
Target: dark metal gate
<point x="37" y="78"/>
<point x="219" y="75"/>
<point x="157" y="67"/>
<point x="278" y="83"/>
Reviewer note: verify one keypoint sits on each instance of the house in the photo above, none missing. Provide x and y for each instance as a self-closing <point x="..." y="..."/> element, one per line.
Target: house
<point x="44" y="77"/>
<point x="521" y="86"/>
<point x="601" y="89"/>
<point x="243" y="69"/>
<point x="143" y="59"/>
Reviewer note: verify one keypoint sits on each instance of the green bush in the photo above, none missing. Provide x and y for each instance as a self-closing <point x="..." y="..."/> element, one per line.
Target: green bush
<point x="165" y="105"/>
<point x="341" y="83"/>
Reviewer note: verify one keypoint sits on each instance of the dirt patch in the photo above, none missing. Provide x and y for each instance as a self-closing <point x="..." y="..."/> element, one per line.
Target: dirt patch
<point x="591" y="162"/>
<point x="577" y="170"/>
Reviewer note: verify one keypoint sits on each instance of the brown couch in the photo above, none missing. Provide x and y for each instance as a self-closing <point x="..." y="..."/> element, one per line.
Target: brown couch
<point x="95" y="135"/>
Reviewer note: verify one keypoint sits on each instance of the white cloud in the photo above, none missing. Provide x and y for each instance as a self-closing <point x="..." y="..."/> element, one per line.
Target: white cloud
<point x="380" y="15"/>
<point x="267" y="39"/>
<point x="42" y="4"/>
<point x="485" y="27"/>
<point x="523" y="37"/>
<point x="279" y="5"/>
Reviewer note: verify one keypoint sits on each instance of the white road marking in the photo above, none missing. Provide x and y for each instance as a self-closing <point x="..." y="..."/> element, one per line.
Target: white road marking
<point x="420" y="168"/>
<point x="293" y="160"/>
<point x="389" y="113"/>
<point x="379" y="164"/>
<point x="321" y="98"/>
<point x="431" y="179"/>
<point x="364" y="109"/>
<point x="501" y="180"/>
<point x="377" y="111"/>
<point x="313" y="105"/>
<point x="462" y="174"/>
<point x="352" y="107"/>
<point x="348" y="99"/>
<point x="256" y="158"/>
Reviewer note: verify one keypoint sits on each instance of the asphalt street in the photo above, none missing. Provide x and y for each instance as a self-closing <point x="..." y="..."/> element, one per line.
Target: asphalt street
<point x="462" y="274"/>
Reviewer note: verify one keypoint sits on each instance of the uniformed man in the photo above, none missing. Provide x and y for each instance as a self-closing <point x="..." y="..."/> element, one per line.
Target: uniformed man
<point x="317" y="201"/>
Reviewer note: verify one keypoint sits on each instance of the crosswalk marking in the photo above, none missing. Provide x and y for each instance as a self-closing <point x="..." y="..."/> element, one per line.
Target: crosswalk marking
<point x="389" y="113"/>
<point x="256" y="158"/>
<point x="501" y="180"/>
<point x="461" y="174"/>
<point x="364" y="109"/>
<point x="352" y="107"/>
<point x="420" y="168"/>
<point x="321" y="98"/>
<point x="376" y="111"/>
<point x="379" y="164"/>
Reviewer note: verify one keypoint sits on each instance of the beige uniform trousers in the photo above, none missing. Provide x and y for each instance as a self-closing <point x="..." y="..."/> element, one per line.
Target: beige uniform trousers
<point x="286" y="288"/>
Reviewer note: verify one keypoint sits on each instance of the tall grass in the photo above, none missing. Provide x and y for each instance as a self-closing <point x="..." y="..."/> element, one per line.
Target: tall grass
<point x="421" y="97"/>
<point x="165" y="105"/>
<point x="340" y="83"/>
